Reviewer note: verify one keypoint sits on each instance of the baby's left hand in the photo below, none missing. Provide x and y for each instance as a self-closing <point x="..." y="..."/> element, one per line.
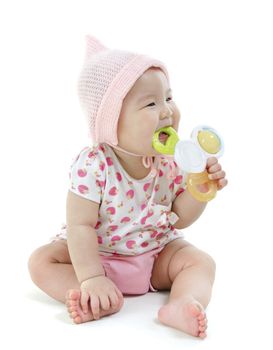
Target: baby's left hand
<point x="216" y="173"/>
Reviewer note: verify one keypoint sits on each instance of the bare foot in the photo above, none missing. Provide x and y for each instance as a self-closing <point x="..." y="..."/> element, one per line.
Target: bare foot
<point x="185" y="314"/>
<point x="75" y="310"/>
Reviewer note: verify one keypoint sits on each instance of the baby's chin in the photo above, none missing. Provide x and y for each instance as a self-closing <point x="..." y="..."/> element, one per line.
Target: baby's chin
<point x="151" y="152"/>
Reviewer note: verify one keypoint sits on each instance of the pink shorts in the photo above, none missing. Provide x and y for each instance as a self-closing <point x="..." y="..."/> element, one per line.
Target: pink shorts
<point x="131" y="274"/>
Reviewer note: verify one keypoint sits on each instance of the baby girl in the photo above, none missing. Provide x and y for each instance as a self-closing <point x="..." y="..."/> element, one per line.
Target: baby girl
<point x="127" y="203"/>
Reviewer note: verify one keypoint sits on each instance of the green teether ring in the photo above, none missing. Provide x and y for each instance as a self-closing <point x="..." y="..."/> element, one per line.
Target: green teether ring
<point x="169" y="146"/>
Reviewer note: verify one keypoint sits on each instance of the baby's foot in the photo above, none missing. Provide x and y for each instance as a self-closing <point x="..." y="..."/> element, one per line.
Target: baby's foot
<point x="75" y="310"/>
<point x="185" y="314"/>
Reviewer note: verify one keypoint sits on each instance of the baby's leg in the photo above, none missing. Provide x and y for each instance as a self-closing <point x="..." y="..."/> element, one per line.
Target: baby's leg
<point x="189" y="273"/>
<point x="51" y="270"/>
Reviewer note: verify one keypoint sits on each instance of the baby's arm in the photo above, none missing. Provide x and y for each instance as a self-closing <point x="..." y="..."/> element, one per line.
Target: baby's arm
<point x="96" y="289"/>
<point x="187" y="209"/>
<point x="81" y="218"/>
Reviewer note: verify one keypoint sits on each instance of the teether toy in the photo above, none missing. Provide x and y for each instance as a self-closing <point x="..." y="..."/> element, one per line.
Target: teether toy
<point x="191" y="156"/>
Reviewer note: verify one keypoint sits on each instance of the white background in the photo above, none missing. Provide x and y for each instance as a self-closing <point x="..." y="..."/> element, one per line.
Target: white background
<point x="219" y="55"/>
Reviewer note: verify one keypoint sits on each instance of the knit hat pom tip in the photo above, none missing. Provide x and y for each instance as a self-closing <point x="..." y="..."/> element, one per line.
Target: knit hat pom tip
<point x="93" y="45"/>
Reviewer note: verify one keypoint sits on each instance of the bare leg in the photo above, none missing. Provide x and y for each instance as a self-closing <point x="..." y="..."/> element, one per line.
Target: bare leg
<point x="51" y="270"/>
<point x="192" y="273"/>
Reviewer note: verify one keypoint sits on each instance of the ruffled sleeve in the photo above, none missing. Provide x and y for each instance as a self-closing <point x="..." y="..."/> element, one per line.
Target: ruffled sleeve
<point x="87" y="175"/>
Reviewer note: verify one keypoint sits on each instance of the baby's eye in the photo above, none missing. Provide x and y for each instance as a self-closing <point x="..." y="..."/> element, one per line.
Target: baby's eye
<point x="153" y="104"/>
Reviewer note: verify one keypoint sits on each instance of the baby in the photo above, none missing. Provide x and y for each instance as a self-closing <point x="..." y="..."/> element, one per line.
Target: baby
<point x="127" y="203"/>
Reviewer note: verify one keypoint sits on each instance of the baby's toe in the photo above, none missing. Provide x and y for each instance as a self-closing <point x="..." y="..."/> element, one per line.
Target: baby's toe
<point x="202" y="335"/>
<point x="73" y="294"/>
<point x="72" y="308"/>
<point x="77" y="320"/>
<point x="202" y="322"/>
<point x="76" y="317"/>
<point x="202" y="328"/>
<point x="201" y="316"/>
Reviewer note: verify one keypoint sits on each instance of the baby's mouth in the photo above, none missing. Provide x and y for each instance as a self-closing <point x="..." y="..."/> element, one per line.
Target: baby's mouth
<point x="162" y="137"/>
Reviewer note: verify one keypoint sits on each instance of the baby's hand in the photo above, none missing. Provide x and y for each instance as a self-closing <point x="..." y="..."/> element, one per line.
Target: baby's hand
<point x="216" y="173"/>
<point x="101" y="292"/>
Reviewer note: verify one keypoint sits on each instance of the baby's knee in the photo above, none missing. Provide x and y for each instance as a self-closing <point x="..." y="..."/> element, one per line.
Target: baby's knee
<point x="199" y="258"/>
<point x="205" y="259"/>
<point x="37" y="263"/>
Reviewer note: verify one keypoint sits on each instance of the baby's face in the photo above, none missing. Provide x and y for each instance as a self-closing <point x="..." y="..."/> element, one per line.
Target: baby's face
<point x="147" y="107"/>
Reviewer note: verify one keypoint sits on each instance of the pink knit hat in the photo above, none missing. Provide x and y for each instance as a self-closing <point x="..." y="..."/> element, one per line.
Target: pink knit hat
<point x="106" y="78"/>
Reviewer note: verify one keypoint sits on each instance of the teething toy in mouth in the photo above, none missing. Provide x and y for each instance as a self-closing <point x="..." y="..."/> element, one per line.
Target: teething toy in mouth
<point x="191" y="156"/>
<point x="165" y="140"/>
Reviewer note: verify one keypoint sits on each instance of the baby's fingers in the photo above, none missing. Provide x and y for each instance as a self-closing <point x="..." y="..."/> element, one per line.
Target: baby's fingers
<point x="222" y="183"/>
<point x="114" y="299"/>
<point x="84" y="300"/>
<point x="95" y="306"/>
<point x="217" y="176"/>
<point x="214" y="168"/>
<point x="104" y="302"/>
<point x="211" y="161"/>
<point x="119" y="294"/>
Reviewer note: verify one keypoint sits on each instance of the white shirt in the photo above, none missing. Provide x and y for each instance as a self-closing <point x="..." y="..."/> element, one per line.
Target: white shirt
<point x="134" y="215"/>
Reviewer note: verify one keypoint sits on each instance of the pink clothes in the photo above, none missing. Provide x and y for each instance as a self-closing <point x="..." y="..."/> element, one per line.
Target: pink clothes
<point x="135" y="216"/>
<point x="131" y="274"/>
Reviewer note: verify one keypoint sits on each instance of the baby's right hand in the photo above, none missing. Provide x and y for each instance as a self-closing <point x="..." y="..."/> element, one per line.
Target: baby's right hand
<point x="102" y="292"/>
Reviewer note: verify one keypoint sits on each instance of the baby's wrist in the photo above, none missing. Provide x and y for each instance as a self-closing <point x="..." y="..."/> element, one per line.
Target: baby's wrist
<point x="92" y="277"/>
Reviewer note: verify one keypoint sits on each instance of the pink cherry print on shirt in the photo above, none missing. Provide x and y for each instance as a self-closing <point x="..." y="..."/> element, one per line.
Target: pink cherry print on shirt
<point x="102" y="165"/>
<point x="158" y="224"/>
<point x="159" y="236"/>
<point x="143" y="220"/>
<point x="111" y="210"/>
<point x="91" y="154"/>
<point x="83" y="189"/>
<point x="113" y="191"/>
<point x="125" y="219"/>
<point x="130" y="244"/>
<point x="99" y="239"/>
<point x="150" y="213"/>
<point x="147" y="226"/>
<point x="82" y="172"/>
<point x="116" y="238"/>
<point x="171" y="187"/>
<point x="143" y="206"/>
<point x="178" y="179"/>
<point x="113" y="228"/>
<point x="131" y="210"/>
<point x="118" y="176"/>
<point x="102" y="148"/>
<point x="180" y="190"/>
<point x="98" y="224"/>
<point x="130" y="194"/>
<point x="144" y="244"/>
<point x="152" y="235"/>
<point x="156" y="188"/>
<point x="146" y="186"/>
<point x="102" y="183"/>
<point x="160" y="173"/>
<point x="109" y="161"/>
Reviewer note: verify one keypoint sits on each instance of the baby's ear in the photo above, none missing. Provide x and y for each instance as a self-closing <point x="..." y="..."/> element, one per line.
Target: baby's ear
<point x="93" y="46"/>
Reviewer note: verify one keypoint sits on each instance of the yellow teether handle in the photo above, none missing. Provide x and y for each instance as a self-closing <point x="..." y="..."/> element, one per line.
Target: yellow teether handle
<point x="199" y="179"/>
